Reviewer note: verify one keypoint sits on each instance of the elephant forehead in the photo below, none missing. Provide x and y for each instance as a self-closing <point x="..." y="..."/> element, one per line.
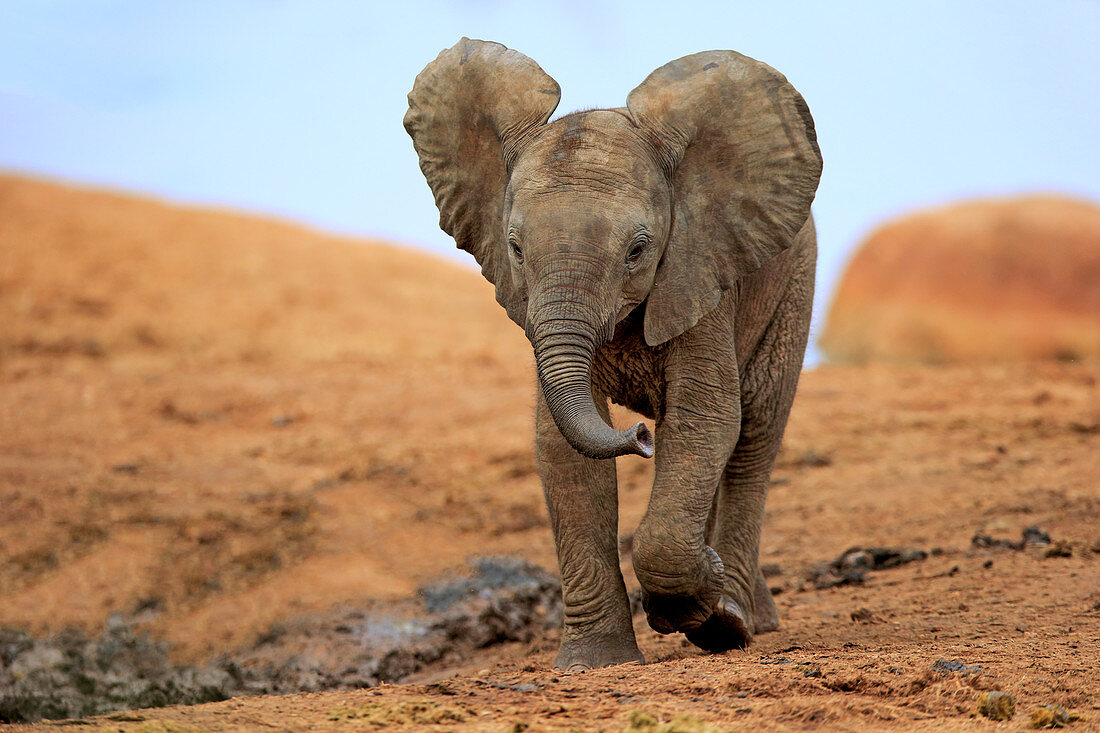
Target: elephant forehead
<point x="587" y="215"/>
<point x="598" y="150"/>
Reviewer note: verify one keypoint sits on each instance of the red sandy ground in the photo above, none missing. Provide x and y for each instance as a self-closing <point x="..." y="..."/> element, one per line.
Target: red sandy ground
<point x="235" y="421"/>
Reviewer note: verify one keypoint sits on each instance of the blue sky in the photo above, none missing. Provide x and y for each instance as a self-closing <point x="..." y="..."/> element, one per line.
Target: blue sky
<point x="294" y="108"/>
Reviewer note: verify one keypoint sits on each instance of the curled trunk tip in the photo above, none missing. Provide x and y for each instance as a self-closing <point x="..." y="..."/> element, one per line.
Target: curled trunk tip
<point x="567" y="387"/>
<point x="643" y="440"/>
<point x="565" y="346"/>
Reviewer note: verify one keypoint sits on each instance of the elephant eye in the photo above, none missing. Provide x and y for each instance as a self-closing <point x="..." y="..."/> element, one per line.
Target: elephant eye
<point x="513" y="245"/>
<point x="636" y="251"/>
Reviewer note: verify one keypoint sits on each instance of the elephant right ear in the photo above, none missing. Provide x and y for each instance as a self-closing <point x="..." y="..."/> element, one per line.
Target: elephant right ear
<point x="740" y="148"/>
<point x="470" y="113"/>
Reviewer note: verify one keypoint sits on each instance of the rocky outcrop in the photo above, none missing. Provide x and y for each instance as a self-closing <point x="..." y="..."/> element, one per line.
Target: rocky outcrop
<point x="985" y="280"/>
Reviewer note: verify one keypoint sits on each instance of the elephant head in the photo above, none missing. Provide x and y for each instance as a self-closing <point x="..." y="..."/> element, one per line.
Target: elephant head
<point x="707" y="173"/>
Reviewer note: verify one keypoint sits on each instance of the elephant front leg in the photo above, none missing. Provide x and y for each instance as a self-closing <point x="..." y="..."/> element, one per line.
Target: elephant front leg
<point x="582" y="498"/>
<point x="767" y="386"/>
<point x="682" y="578"/>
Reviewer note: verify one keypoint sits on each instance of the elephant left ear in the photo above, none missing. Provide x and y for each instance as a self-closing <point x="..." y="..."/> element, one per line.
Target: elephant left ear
<point x="739" y="146"/>
<point x="470" y="113"/>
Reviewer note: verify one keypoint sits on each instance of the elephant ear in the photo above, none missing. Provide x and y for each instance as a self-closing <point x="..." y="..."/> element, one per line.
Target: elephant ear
<point x="739" y="146"/>
<point x="470" y="113"/>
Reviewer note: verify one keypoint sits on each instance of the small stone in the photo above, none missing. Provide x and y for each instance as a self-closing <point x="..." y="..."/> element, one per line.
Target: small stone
<point x="1035" y="536"/>
<point x="946" y="666"/>
<point x="862" y="615"/>
<point x="892" y="557"/>
<point x="997" y="705"/>
<point x="855" y="559"/>
<point x="1059" y="549"/>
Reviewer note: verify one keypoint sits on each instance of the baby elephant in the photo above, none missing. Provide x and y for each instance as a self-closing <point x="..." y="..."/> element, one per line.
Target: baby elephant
<point x="660" y="256"/>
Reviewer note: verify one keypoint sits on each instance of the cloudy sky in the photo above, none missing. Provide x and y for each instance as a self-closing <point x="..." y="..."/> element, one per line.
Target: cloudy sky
<point x="294" y="108"/>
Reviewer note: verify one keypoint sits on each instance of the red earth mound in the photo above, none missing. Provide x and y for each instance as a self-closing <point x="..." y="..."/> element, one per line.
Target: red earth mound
<point x="142" y="346"/>
<point x="978" y="281"/>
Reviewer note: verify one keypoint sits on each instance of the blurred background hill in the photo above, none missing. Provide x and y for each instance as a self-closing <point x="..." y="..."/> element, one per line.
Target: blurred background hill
<point x="1006" y="279"/>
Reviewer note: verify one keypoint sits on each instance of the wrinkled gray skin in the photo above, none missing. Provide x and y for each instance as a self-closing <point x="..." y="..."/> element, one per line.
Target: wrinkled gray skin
<point x="660" y="256"/>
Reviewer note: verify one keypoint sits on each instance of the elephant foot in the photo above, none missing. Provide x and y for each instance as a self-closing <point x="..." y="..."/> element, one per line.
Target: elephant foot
<point x="671" y="612"/>
<point x="727" y="628"/>
<point x="730" y="627"/>
<point x="582" y="653"/>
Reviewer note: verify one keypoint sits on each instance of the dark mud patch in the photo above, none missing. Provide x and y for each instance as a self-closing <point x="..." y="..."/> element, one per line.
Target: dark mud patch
<point x="70" y="675"/>
<point x="501" y="599"/>
<point x="1029" y="536"/>
<point x="852" y="566"/>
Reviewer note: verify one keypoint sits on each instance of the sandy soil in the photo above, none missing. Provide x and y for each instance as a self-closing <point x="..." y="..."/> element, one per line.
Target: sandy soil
<point x="214" y="423"/>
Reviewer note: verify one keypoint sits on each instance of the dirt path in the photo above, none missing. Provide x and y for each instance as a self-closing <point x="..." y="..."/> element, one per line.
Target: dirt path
<point x="216" y="424"/>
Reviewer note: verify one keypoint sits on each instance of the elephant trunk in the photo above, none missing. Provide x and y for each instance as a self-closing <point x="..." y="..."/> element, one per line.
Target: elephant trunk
<point x="563" y="360"/>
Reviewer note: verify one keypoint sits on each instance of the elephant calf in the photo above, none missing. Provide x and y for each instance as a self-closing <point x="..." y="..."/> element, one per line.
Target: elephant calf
<point x="660" y="256"/>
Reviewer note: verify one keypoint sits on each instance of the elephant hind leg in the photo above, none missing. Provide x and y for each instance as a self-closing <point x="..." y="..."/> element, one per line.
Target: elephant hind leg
<point x="768" y="383"/>
<point x="728" y="627"/>
<point x="731" y="627"/>
<point x="765" y="614"/>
